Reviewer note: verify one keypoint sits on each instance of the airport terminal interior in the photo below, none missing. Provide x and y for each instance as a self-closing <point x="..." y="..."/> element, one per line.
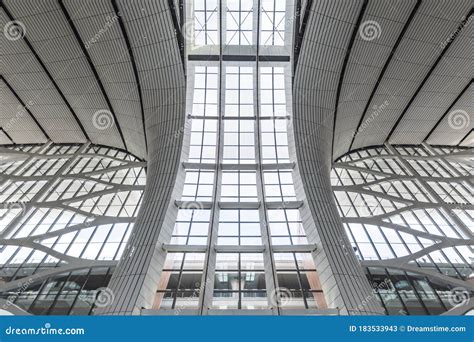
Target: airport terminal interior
<point x="236" y="157"/>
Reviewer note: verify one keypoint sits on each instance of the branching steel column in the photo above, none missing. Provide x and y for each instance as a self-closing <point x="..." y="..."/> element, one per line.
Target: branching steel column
<point x="46" y="187"/>
<point x="429" y="189"/>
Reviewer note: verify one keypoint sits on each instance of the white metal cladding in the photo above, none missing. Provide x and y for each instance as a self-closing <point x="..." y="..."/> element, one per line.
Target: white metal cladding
<point x="4" y="139"/>
<point x="25" y="75"/>
<point x="454" y="71"/>
<point x="16" y="121"/>
<point x="64" y="208"/>
<point x="458" y="122"/>
<point x="100" y="31"/>
<point x="163" y="85"/>
<point x="327" y="36"/>
<point x="53" y="40"/>
<point x="365" y="65"/>
<point x="237" y="173"/>
<point x="433" y="23"/>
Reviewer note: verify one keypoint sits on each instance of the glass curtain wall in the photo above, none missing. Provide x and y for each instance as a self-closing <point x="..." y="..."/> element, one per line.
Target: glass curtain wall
<point x="238" y="241"/>
<point x="66" y="212"/>
<point x="408" y="212"/>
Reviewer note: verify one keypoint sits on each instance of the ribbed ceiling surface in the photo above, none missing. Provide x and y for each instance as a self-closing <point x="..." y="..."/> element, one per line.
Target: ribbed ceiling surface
<point x="73" y="77"/>
<point x="73" y="69"/>
<point x="406" y="76"/>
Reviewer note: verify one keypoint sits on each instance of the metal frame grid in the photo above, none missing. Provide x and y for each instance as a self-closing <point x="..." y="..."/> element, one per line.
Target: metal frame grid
<point x="408" y="212"/>
<point x="66" y="212"/>
<point x="249" y="235"/>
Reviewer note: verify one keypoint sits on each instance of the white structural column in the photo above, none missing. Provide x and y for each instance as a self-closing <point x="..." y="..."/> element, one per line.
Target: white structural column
<point x="135" y="279"/>
<point x="342" y="279"/>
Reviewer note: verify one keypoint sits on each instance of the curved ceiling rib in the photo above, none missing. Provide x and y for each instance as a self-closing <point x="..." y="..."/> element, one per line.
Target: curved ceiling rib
<point x="443" y="83"/>
<point x="27" y="77"/>
<point x="16" y="123"/>
<point x="25" y="39"/>
<point x="54" y="43"/>
<point x="300" y="27"/>
<point x="319" y="69"/>
<point x="104" y="35"/>
<point x="468" y="139"/>
<point x="413" y="72"/>
<point x="4" y="135"/>
<point x="24" y="107"/>
<point x="368" y="64"/>
<point x="177" y="24"/>
<point x="344" y="66"/>
<point x="416" y="55"/>
<point x="448" y="110"/>
<point x="458" y="121"/>
<point x="134" y="66"/>
<point x="94" y="71"/>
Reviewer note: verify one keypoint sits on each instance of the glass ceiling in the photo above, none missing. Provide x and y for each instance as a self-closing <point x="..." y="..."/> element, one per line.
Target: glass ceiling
<point x="239" y="21"/>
